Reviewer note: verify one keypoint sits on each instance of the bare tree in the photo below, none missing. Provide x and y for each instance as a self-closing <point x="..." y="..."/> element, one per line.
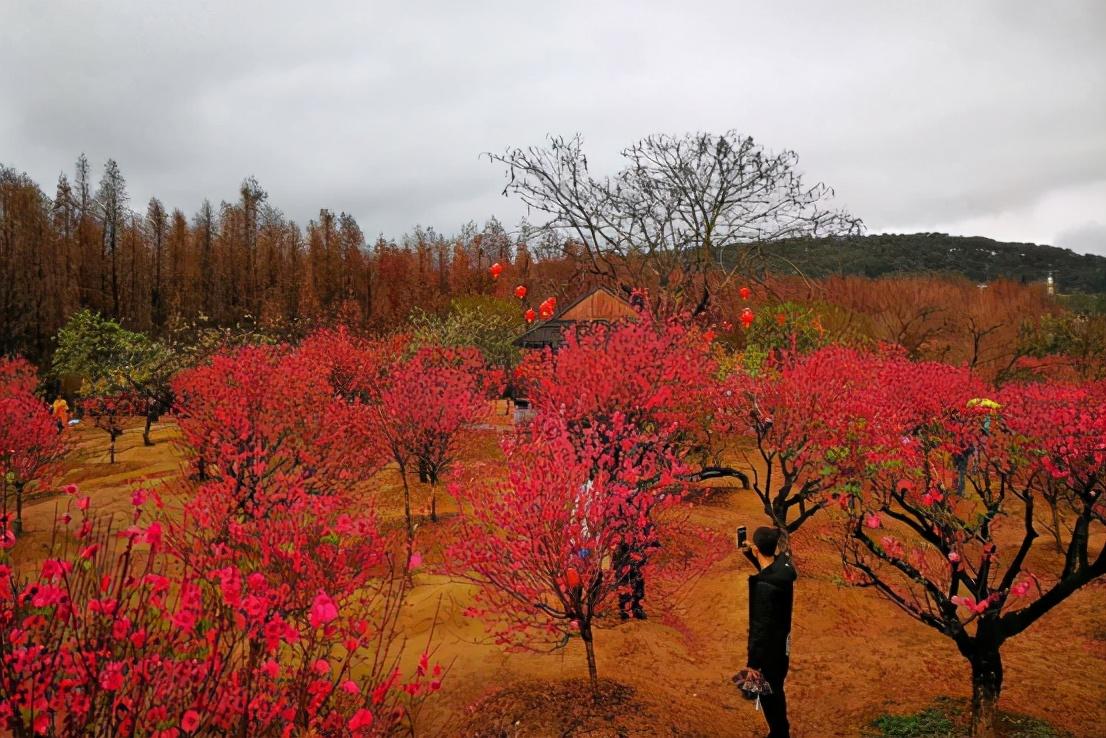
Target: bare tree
<point x="681" y="214"/>
<point x="112" y="200"/>
<point x="157" y="223"/>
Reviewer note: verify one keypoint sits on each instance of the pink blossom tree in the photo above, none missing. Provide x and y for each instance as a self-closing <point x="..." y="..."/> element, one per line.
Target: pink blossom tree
<point x="31" y="448"/>
<point x="953" y="465"/>
<point x="121" y="635"/>
<point x="803" y="413"/>
<point x="541" y="547"/>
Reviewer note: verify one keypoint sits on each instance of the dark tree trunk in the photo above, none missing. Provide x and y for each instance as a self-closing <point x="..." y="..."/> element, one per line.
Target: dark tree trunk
<point x="146" y="431"/>
<point x="986" y="687"/>
<point x="17" y="524"/>
<point x="111" y="448"/>
<point x="589" y="647"/>
<point x="433" y="479"/>
<point x="1052" y="505"/>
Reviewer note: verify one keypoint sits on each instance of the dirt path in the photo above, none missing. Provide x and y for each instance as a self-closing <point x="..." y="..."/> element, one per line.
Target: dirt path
<point x="854" y="655"/>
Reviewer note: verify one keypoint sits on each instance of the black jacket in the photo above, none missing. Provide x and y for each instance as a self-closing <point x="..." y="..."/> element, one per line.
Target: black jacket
<point x="771" y="592"/>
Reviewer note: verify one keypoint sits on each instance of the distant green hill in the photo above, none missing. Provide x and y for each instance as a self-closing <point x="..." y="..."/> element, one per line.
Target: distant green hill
<point x="980" y="259"/>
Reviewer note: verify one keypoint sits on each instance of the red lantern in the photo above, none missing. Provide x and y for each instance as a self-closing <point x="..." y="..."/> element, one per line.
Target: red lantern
<point x="530" y="315"/>
<point x="746" y="317"/>
<point x="520" y="292"/>
<point x="572" y="577"/>
<point x="745" y="293"/>
<point x="496" y="269"/>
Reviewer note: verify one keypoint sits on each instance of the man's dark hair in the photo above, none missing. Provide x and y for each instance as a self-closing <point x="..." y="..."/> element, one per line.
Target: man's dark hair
<point x="766" y="539"/>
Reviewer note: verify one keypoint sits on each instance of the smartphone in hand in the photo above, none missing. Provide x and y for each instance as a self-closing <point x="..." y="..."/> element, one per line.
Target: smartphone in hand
<point x="741" y="536"/>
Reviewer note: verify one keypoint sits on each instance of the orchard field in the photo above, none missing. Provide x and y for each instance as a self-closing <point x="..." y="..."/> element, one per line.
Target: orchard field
<point x="353" y="536"/>
<point x="856" y="657"/>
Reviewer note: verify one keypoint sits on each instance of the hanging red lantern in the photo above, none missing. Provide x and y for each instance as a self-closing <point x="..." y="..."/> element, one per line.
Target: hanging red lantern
<point x="520" y="292"/>
<point x="496" y="269"/>
<point x="530" y="315"/>
<point x="572" y="578"/>
<point x="747" y="317"/>
<point x="745" y="293"/>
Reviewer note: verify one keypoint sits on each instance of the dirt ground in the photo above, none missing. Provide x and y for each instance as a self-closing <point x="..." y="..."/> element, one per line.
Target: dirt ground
<point x="854" y="655"/>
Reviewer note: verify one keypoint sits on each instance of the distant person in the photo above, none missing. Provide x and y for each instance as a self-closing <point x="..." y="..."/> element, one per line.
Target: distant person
<point x="629" y="561"/>
<point x="771" y="592"/>
<point x="61" y="412"/>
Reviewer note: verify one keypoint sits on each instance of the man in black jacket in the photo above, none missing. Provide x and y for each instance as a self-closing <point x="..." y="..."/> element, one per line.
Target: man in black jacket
<point x="771" y="592"/>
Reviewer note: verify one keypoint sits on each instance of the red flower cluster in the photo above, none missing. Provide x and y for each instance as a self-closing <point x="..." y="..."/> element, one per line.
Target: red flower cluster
<point x="31" y="448"/>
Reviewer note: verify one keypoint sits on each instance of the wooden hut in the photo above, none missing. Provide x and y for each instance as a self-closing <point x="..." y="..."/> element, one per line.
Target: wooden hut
<point x="600" y="305"/>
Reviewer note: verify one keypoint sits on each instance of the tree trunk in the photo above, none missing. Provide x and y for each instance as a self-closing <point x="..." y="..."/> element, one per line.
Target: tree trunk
<point x="111" y="449"/>
<point x="986" y="687"/>
<point x="1052" y="505"/>
<point x="407" y="506"/>
<point x="17" y="524"/>
<point x="433" y="502"/>
<point x="146" y="431"/>
<point x="589" y="647"/>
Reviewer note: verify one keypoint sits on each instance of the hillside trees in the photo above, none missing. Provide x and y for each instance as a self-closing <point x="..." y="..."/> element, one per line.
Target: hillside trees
<point x="36" y="290"/>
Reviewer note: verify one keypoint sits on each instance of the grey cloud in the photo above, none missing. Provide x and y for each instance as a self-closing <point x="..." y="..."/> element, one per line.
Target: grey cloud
<point x="1088" y="238"/>
<point x="916" y="113"/>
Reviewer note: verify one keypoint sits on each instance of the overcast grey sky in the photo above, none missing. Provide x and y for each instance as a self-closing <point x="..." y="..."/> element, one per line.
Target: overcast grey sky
<point x="983" y="118"/>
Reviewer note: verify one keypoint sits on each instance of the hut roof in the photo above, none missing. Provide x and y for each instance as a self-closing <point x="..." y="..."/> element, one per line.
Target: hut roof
<point x="600" y="305"/>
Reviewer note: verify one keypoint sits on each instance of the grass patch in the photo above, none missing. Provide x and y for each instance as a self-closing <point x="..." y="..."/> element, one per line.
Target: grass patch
<point x="929" y="723"/>
<point x="949" y="718"/>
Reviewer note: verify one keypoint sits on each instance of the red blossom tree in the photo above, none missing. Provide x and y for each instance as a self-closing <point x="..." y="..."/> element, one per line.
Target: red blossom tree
<point x="429" y="403"/>
<point x="260" y="413"/>
<point x="953" y="465"/>
<point x="418" y="404"/>
<point x="656" y="374"/>
<point x="31" y="448"/>
<point x="541" y="548"/>
<point x="291" y="635"/>
<point x="801" y="411"/>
